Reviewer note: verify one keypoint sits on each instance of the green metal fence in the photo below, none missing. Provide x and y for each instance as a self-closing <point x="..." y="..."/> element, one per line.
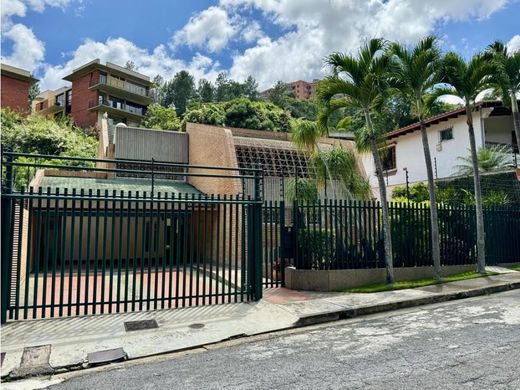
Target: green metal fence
<point x="349" y="234"/>
<point x="75" y="252"/>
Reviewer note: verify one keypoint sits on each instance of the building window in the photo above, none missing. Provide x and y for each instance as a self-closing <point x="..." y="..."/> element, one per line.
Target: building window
<point x="388" y="157"/>
<point x="446" y="134"/>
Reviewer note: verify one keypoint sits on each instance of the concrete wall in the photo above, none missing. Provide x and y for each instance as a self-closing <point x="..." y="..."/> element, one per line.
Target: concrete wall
<point x="409" y="152"/>
<point x="15" y="94"/>
<point x="335" y="280"/>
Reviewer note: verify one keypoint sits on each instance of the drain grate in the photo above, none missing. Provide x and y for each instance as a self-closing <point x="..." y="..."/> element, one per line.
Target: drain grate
<point x="131" y="326"/>
<point x="196" y="326"/>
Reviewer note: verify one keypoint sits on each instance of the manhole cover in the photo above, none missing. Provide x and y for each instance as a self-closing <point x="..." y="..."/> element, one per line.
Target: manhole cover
<point x="197" y="326"/>
<point x="140" y="325"/>
<point x="107" y="356"/>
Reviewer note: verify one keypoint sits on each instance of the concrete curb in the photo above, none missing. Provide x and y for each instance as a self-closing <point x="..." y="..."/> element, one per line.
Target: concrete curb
<point x="308" y="320"/>
<point x="379" y="308"/>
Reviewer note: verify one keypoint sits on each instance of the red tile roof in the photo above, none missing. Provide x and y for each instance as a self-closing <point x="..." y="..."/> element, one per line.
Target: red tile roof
<point x="440" y="118"/>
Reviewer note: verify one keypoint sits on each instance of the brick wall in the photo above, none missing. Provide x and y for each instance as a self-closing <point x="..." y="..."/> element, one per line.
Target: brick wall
<point x="81" y="96"/>
<point x="15" y="94"/>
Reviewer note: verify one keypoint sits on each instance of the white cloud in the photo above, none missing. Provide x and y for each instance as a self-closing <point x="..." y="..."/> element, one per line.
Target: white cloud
<point x="514" y="44"/>
<point x="211" y="29"/>
<point x="315" y="29"/>
<point x="252" y="32"/>
<point x="119" y="51"/>
<point x="27" y="51"/>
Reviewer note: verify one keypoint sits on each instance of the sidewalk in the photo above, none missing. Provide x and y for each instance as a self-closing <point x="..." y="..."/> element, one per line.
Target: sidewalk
<point x="72" y="339"/>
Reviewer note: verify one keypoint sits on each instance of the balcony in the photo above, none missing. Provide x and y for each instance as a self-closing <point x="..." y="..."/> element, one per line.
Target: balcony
<point x="49" y="107"/>
<point x="117" y="108"/>
<point x="123" y="88"/>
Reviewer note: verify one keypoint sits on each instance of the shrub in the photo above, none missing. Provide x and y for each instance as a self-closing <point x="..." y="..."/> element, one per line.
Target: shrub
<point x="159" y="117"/>
<point x="418" y="192"/>
<point x="302" y="190"/>
<point x="316" y="249"/>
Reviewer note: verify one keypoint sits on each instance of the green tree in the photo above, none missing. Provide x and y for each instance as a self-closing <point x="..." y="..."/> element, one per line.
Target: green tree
<point x="130" y="65"/>
<point x="506" y="79"/>
<point x="416" y="73"/>
<point x="157" y="88"/>
<point x="467" y="80"/>
<point x="159" y="117"/>
<point x="488" y="159"/>
<point x="361" y="82"/>
<point x="279" y="94"/>
<point x="250" y="88"/>
<point x="205" y="91"/>
<point x="178" y="91"/>
<point x="340" y="165"/>
<point x="34" y="90"/>
<point x="222" y="88"/>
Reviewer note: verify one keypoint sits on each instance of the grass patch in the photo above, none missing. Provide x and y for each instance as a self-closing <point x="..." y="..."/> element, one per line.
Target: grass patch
<point x="516" y="267"/>
<point x="416" y="283"/>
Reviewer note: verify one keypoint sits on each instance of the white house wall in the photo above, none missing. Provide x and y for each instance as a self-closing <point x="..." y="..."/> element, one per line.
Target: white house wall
<point x="410" y="155"/>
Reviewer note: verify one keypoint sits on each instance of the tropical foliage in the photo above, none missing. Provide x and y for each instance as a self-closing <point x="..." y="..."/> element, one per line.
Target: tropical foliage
<point x="488" y="159"/>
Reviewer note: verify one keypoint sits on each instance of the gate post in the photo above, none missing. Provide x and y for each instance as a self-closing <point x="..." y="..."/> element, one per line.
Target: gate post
<point x="257" y="236"/>
<point x="6" y="237"/>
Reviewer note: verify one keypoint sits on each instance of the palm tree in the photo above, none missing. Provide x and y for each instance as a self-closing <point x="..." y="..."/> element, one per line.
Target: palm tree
<point x="507" y="79"/>
<point x="416" y="75"/>
<point x="361" y="82"/>
<point x="467" y="80"/>
<point x="489" y="159"/>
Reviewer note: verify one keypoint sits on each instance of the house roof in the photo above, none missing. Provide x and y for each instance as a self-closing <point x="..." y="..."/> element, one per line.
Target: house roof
<point x="440" y="118"/>
<point x="118" y="184"/>
<point x="108" y="67"/>
<point x="17" y="73"/>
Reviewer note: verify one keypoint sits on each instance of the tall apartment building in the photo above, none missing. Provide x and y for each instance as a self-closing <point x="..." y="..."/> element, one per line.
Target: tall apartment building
<point x="302" y="89"/>
<point x="15" y="88"/>
<point x="96" y="88"/>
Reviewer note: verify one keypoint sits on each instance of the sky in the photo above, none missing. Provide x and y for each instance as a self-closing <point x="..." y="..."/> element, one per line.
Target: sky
<point x="269" y="39"/>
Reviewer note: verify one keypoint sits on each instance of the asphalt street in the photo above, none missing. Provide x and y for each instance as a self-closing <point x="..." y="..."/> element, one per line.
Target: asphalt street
<point x="471" y="343"/>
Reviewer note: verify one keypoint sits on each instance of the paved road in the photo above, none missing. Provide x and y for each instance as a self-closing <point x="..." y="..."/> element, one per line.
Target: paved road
<point x="473" y="343"/>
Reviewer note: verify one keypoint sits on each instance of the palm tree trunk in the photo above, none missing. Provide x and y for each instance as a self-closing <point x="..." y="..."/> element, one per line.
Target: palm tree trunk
<point x="436" y="251"/>
<point x="516" y="120"/>
<point x="389" y="258"/>
<point x="481" y="238"/>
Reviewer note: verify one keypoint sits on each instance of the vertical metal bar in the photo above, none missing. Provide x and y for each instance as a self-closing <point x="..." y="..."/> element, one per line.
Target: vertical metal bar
<point x="224" y="225"/>
<point x="87" y="261"/>
<point x="46" y="249"/>
<point x="191" y="246"/>
<point x="212" y="238"/>
<point x="236" y="247"/>
<point x="64" y="240"/>
<point x="119" y="250"/>
<point x="171" y="256"/>
<point x="19" y="253"/>
<point x="104" y="254"/>
<point x="204" y="252"/>
<point x="230" y="248"/>
<point x="37" y="250"/>
<point x="128" y="209"/>
<point x="135" y="260"/>
<point x="243" y="263"/>
<point x="185" y="250"/>
<point x="197" y="243"/>
<point x="80" y="248"/>
<point x="72" y="254"/>
<point x="180" y="223"/>
<point x="96" y="254"/>
<point x="7" y="232"/>
<point x="155" y="249"/>
<point x="217" y="260"/>
<point x="30" y="254"/>
<point x="163" y="227"/>
<point x="54" y="252"/>
<point x="112" y="250"/>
